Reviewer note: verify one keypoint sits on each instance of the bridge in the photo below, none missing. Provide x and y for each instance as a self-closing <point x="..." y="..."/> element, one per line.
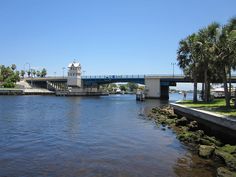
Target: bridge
<point x="156" y="86"/>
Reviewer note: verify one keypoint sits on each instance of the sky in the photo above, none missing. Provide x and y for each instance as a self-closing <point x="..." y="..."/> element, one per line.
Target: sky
<point x="105" y="36"/>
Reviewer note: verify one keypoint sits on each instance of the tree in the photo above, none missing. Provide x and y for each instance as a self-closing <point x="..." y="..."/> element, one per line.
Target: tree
<point x="38" y="73"/>
<point x="13" y="67"/>
<point x="34" y="72"/>
<point x="187" y="60"/>
<point x="22" y="73"/>
<point x="43" y="72"/>
<point x="8" y="76"/>
<point x="225" y="52"/>
<point x="206" y="40"/>
<point x="29" y="73"/>
<point x="132" y="86"/>
<point x="210" y="56"/>
<point x="123" y="88"/>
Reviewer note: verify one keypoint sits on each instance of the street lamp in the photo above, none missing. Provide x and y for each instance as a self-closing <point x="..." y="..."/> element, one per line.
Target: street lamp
<point x="63" y="70"/>
<point x="29" y="71"/>
<point x="173" y="65"/>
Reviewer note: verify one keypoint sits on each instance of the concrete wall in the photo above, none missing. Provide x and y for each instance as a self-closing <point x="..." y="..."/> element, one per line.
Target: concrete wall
<point x="217" y="125"/>
<point x="153" y="88"/>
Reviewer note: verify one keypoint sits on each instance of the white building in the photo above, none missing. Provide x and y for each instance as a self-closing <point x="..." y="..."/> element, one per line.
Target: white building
<point x="74" y="75"/>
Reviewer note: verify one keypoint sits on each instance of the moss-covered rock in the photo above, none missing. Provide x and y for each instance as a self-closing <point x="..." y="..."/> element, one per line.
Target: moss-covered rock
<point x="205" y="151"/>
<point x="193" y="126"/>
<point x="213" y="140"/>
<point x="181" y="122"/>
<point x="224" y="172"/>
<point x="229" y="149"/>
<point x="228" y="158"/>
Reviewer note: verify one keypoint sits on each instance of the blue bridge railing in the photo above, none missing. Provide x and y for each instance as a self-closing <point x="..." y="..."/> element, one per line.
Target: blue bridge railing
<point x="114" y="77"/>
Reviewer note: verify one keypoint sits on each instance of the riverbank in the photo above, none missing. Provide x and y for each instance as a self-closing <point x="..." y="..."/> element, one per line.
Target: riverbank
<point x="25" y="92"/>
<point x="190" y="133"/>
<point x="40" y="91"/>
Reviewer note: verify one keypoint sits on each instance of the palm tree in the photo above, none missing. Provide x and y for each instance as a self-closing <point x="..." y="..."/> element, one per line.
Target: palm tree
<point x="226" y="55"/>
<point x="13" y="67"/>
<point x="187" y="60"/>
<point x="43" y="72"/>
<point x="206" y="42"/>
<point x="38" y="73"/>
<point x="22" y="73"/>
<point x="34" y="72"/>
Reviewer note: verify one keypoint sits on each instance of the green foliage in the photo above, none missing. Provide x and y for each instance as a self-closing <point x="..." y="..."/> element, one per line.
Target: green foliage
<point x="209" y="56"/>
<point x="13" y="67"/>
<point x="34" y="72"/>
<point x="9" y="76"/>
<point x="123" y="88"/>
<point x="43" y="72"/>
<point x="38" y="73"/>
<point x="132" y="86"/>
<point x="22" y="73"/>
<point x="29" y="73"/>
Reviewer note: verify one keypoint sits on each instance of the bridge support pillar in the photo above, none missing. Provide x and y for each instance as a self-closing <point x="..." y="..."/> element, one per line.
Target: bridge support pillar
<point x="152" y="87"/>
<point x="164" y="92"/>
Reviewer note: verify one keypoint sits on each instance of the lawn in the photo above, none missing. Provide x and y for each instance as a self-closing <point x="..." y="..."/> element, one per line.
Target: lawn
<point x="216" y="106"/>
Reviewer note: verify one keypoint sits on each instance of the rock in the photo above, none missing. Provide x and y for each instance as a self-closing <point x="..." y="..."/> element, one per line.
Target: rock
<point x="193" y="126"/>
<point x="224" y="172"/>
<point x="170" y="121"/>
<point x="229" y="159"/>
<point x="213" y="140"/>
<point x="228" y="148"/>
<point x="163" y="128"/>
<point x="206" y="151"/>
<point x="154" y="110"/>
<point x="206" y="142"/>
<point x="200" y="133"/>
<point x="181" y="122"/>
<point x="190" y="137"/>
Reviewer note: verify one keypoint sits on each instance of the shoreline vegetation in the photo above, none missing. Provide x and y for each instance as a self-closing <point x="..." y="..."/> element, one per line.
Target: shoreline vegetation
<point x="9" y="75"/>
<point x="209" y="56"/>
<point x="190" y="133"/>
<point x="216" y="106"/>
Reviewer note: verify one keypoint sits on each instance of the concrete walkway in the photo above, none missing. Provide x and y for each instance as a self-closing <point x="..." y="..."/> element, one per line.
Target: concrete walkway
<point x="202" y="115"/>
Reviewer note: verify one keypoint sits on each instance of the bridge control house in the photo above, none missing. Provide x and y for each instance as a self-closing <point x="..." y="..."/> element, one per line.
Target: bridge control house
<point x="74" y="75"/>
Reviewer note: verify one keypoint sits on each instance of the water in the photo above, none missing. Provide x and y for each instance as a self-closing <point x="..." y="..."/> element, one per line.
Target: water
<point x="90" y="136"/>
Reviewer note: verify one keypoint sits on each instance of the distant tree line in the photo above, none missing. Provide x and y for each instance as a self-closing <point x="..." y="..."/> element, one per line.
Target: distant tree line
<point x="128" y="87"/>
<point x="9" y="75"/>
<point x="209" y="56"/>
<point x="34" y="73"/>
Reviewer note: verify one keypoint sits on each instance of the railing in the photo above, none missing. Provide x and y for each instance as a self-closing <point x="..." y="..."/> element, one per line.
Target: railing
<point x="114" y="77"/>
<point x="117" y="76"/>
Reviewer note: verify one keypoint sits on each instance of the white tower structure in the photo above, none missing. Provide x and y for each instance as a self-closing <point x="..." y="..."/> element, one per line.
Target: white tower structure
<point x="74" y="75"/>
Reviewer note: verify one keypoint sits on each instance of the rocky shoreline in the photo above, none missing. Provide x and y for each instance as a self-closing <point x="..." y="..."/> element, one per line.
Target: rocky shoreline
<point x="189" y="132"/>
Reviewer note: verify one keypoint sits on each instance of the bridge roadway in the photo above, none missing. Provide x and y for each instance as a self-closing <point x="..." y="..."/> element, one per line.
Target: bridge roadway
<point x="157" y="86"/>
<point x="105" y="79"/>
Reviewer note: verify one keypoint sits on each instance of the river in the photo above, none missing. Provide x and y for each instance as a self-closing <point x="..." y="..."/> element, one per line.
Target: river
<point x="90" y="136"/>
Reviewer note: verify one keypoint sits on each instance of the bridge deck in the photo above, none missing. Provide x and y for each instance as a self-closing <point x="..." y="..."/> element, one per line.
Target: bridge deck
<point x="122" y="78"/>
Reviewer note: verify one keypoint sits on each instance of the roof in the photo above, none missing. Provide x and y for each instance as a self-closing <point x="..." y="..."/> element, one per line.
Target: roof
<point x="75" y="64"/>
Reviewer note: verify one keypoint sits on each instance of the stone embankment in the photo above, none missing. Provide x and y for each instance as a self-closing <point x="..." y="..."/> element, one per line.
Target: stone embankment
<point x="189" y="132"/>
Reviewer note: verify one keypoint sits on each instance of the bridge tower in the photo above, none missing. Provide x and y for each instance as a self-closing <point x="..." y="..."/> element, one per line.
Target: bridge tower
<point x="74" y="75"/>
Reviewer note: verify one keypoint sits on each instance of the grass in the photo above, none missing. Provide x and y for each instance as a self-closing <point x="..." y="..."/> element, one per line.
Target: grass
<point x="216" y="106"/>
